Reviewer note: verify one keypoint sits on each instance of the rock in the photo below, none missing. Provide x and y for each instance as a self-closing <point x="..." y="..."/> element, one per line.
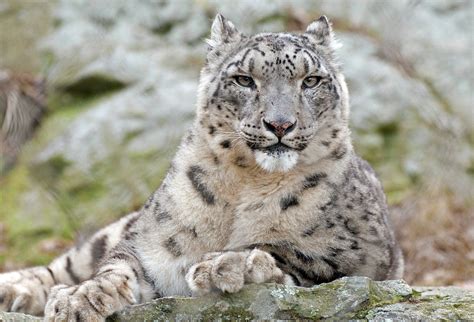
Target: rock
<point x="18" y="317"/>
<point x="127" y="121"/>
<point x="439" y="303"/>
<point x="344" y="299"/>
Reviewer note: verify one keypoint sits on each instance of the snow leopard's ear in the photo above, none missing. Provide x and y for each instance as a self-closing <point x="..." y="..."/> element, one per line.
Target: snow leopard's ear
<point x="321" y="32"/>
<point x="222" y="32"/>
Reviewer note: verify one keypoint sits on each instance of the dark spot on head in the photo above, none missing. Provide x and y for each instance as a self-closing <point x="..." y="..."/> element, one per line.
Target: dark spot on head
<point x="325" y="143"/>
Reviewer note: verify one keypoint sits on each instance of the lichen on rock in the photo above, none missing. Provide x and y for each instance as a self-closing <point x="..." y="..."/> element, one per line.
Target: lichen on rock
<point x="347" y="298"/>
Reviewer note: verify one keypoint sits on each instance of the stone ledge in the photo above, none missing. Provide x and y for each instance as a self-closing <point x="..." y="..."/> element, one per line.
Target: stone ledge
<point x="343" y="299"/>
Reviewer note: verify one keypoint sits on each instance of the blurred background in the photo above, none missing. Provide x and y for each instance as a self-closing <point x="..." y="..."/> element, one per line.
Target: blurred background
<point x="95" y="95"/>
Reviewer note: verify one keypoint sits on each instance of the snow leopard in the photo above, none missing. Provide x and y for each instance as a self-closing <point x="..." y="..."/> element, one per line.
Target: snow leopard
<point x="265" y="187"/>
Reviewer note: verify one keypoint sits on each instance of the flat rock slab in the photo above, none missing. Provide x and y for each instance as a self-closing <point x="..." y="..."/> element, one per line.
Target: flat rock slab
<point x="344" y="299"/>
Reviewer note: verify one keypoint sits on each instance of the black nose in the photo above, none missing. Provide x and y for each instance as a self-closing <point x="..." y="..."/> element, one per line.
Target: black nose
<point x="280" y="129"/>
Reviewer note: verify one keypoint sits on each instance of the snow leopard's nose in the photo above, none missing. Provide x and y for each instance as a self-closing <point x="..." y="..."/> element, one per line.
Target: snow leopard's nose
<point x="280" y="128"/>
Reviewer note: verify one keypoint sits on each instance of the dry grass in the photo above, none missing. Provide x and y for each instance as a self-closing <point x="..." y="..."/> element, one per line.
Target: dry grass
<point x="436" y="232"/>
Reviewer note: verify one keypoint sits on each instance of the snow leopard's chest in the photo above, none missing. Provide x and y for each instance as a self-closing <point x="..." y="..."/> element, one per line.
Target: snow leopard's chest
<point x="263" y="217"/>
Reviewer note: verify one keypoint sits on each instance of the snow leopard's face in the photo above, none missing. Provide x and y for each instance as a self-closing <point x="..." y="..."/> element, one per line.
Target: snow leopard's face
<point x="274" y="91"/>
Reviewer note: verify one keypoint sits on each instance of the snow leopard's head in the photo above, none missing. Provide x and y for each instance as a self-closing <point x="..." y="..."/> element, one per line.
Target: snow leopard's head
<point x="279" y="94"/>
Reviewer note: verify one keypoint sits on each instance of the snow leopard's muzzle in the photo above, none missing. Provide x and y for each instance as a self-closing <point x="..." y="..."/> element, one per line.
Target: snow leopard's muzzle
<point x="276" y="143"/>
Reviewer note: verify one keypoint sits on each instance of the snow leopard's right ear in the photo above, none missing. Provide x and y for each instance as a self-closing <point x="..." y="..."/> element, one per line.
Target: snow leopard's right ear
<point x="321" y="32"/>
<point x="222" y="32"/>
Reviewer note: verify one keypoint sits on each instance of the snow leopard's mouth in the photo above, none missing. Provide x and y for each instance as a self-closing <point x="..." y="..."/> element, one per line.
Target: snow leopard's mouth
<point x="277" y="148"/>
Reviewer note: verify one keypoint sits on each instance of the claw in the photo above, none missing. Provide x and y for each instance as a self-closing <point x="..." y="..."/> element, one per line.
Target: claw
<point x="20" y="302"/>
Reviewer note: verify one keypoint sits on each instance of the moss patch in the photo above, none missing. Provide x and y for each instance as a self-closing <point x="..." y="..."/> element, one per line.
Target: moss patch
<point x="94" y="85"/>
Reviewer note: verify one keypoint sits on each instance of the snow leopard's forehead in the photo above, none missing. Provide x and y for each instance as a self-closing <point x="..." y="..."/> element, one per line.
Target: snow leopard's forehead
<point x="279" y="55"/>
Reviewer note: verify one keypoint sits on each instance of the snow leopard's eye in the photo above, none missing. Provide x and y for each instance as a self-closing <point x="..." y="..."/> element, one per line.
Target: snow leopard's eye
<point x="311" y="81"/>
<point x="244" y="81"/>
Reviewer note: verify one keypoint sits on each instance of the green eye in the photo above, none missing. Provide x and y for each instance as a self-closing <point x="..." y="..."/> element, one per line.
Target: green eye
<point x="312" y="81"/>
<point x="244" y="81"/>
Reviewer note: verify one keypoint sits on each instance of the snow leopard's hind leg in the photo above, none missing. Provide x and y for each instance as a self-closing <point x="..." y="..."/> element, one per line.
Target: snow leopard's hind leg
<point x="27" y="290"/>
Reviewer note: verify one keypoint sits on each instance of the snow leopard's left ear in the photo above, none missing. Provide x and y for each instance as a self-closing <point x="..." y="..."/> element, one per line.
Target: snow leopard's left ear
<point x="223" y="32"/>
<point x="321" y="32"/>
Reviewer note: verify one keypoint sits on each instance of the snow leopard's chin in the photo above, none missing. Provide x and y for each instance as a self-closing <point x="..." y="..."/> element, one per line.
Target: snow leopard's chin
<point x="276" y="161"/>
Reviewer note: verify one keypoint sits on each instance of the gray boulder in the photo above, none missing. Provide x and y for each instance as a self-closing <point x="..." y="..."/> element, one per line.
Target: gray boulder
<point x="349" y="298"/>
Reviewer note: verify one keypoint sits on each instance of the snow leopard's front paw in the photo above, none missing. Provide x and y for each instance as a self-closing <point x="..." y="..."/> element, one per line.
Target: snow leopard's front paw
<point x="24" y="291"/>
<point x="224" y="271"/>
<point x="76" y="303"/>
<point x="91" y="300"/>
<point x="15" y="297"/>
<point x="229" y="271"/>
<point x="260" y="267"/>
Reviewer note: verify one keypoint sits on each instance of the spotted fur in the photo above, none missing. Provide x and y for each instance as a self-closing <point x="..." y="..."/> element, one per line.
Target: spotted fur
<point x="265" y="187"/>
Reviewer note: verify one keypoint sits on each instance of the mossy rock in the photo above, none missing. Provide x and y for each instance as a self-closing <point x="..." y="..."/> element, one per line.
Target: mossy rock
<point x="347" y="298"/>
